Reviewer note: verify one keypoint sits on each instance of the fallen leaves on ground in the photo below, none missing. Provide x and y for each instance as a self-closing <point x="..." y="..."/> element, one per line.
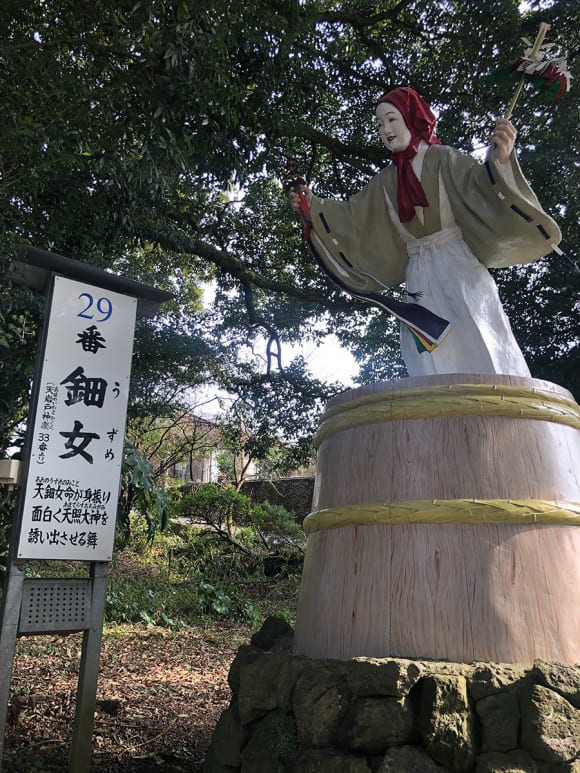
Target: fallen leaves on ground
<point x="159" y="696"/>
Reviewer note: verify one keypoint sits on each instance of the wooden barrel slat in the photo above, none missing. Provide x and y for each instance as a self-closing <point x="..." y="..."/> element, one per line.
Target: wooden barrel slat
<point x="467" y="590"/>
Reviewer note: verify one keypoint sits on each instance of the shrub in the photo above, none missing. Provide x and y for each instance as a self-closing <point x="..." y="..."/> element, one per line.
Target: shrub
<point x="233" y="517"/>
<point x="219" y="508"/>
<point x="140" y="493"/>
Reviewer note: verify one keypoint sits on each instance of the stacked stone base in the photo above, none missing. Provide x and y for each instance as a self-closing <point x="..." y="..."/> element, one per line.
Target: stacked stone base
<point x="290" y="714"/>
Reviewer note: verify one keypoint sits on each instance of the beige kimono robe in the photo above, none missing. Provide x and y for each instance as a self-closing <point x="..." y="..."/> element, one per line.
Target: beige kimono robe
<point x="477" y="216"/>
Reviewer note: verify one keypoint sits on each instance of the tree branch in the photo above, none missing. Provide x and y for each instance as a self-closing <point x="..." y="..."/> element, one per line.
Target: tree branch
<point x="362" y="20"/>
<point x="234" y="267"/>
<point x="340" y="17"/>
<point x="274" y="336"/>
<point x="66" y="41"/>
<point x="352" y="154"/>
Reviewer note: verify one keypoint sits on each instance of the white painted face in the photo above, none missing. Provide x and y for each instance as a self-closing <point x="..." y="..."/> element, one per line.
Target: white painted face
<point x="392" y="127"/>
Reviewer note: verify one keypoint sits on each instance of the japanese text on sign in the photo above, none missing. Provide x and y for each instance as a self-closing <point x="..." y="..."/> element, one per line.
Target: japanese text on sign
<point x="74" y="472"/>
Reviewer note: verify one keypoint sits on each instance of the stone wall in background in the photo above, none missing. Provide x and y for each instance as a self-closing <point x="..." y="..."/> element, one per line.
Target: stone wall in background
<point x="289" y="714"/>
<point x="295" y="494"/>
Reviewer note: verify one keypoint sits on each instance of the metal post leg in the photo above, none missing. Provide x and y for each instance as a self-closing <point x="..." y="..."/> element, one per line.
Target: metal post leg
<point x="81" y="748"/>
<point x="8" y="635"/>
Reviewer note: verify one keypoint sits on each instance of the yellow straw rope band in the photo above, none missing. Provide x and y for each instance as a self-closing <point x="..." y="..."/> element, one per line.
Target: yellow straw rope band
<point x="450" y="400"/>
<point x="458" y="511"/>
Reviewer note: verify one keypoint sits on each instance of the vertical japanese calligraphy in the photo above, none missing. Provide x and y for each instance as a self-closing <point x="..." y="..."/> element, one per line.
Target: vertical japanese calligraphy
<point x="74" y="470"/>
<point x="47" y="409"/>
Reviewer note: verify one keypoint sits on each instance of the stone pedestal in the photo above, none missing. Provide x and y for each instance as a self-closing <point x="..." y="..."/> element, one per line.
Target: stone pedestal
<point x="291" y="714"/>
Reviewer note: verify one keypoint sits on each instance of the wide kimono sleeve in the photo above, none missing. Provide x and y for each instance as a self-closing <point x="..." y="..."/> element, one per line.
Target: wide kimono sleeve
<point x="500" y="217"/>
<point x="355" y="241"/>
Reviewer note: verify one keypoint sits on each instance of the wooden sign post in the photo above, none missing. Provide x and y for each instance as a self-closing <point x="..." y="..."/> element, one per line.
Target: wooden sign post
<point x="67" y="505"/>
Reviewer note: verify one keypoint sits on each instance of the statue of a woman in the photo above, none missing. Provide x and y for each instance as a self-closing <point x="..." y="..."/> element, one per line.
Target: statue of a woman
<point x="435" y="218"/>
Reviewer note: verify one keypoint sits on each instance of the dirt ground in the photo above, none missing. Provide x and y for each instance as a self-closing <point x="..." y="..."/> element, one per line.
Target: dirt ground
<point x="159" y="696"/>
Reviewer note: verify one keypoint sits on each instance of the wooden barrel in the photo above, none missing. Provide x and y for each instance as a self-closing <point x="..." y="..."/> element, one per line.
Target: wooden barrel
<point x="446" y="523"/>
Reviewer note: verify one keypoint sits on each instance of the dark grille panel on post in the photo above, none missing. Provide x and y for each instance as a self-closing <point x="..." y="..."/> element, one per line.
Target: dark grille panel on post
<point x="55" y="606"/>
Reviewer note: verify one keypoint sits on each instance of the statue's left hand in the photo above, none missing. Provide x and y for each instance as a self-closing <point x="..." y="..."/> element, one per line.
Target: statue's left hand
<point x="504" y="139"/>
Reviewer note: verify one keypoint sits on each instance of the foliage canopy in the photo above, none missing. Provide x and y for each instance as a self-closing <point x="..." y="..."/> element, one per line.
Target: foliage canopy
<point x="149" y="137"/>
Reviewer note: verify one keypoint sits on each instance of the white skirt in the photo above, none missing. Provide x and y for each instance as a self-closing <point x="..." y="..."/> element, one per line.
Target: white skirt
<point x="457" y="287"/>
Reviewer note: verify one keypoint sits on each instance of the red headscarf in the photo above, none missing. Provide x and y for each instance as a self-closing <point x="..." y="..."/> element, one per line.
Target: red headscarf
<point x="421" y="123"/>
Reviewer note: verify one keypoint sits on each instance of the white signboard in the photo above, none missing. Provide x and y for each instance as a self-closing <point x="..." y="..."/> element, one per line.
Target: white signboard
<point x="70" y="501"/>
